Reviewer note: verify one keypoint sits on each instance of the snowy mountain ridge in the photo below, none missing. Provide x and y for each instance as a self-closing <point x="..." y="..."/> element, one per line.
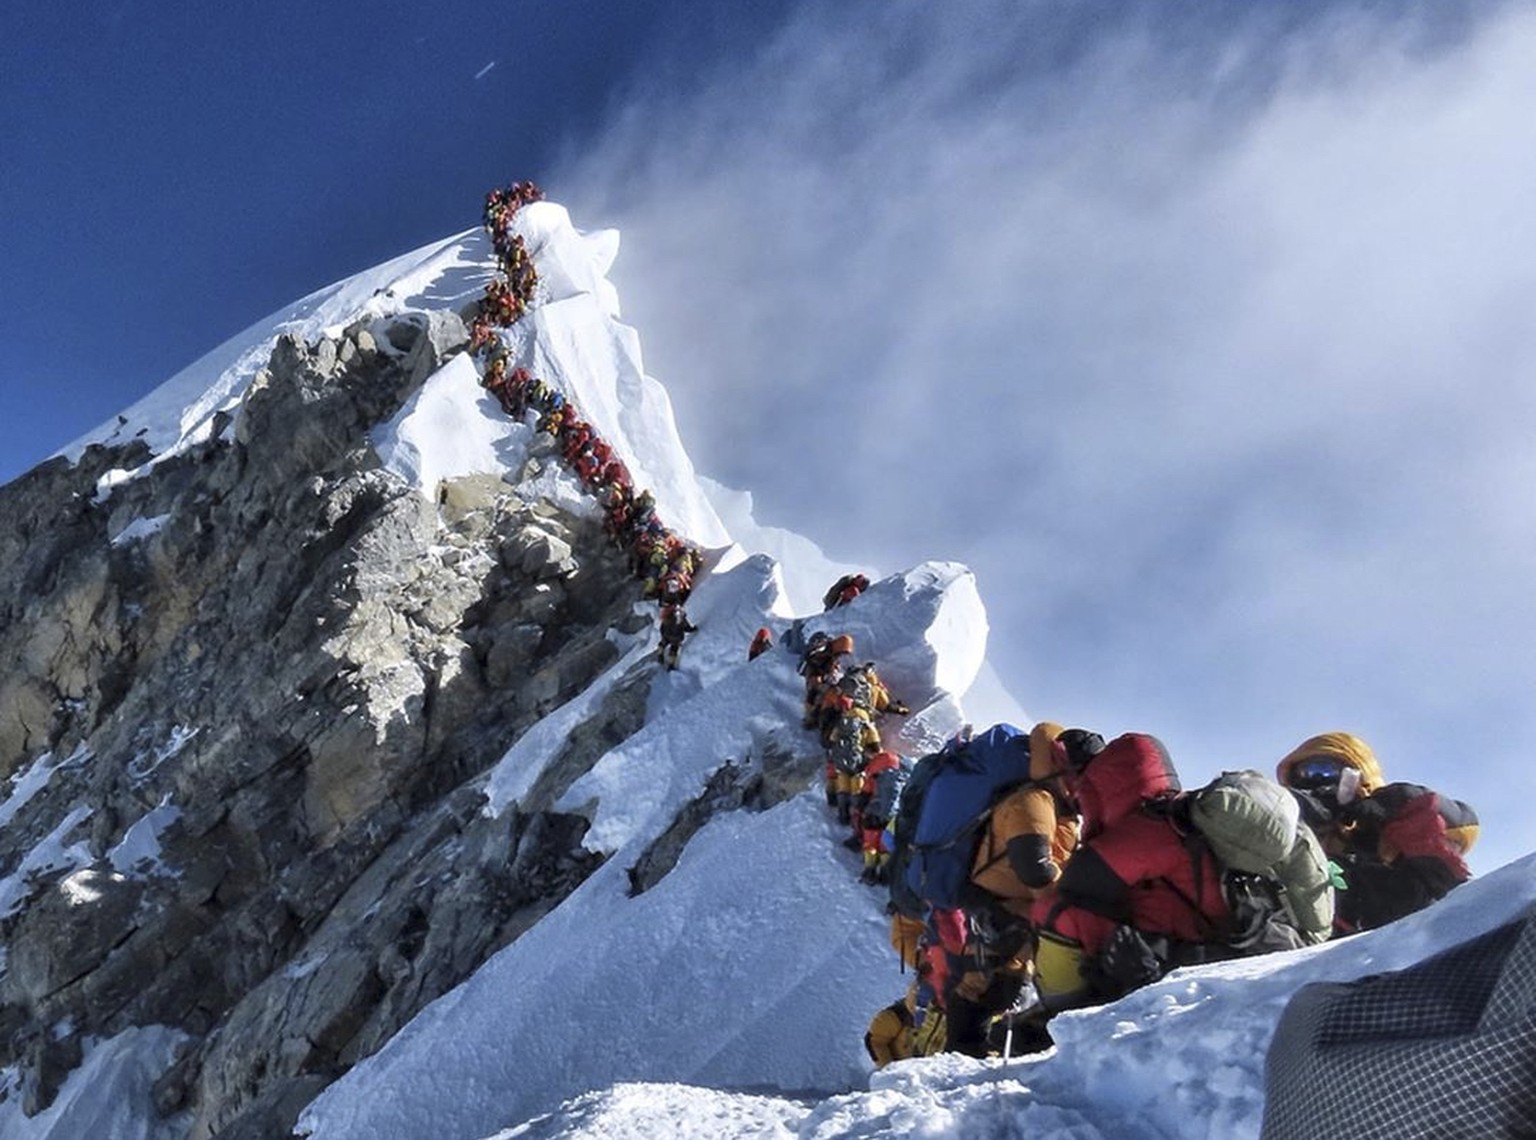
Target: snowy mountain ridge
<point x="712" y="940"/>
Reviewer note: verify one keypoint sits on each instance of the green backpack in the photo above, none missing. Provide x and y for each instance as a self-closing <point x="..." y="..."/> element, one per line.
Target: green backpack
<point x="1276" y="877"/>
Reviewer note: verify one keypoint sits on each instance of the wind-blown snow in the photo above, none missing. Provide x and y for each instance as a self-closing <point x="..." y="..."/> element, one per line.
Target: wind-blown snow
<point x="25" y="784"/>
<point x="139" y="528"/>
<point x="138" y="852"/>
<point x="53" y="853"/>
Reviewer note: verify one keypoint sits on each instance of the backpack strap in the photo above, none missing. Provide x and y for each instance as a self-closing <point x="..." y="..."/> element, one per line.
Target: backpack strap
<point x="981" y="817"/>
<point x="996" y="857"/>
<point x="1174" y="810"/>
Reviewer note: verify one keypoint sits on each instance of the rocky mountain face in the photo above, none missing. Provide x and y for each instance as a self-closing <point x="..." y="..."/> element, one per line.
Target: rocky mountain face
<point x="245" y="698"/>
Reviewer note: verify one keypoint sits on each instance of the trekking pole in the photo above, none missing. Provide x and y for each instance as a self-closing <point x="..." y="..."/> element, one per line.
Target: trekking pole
<point x="1008" y="1041"/>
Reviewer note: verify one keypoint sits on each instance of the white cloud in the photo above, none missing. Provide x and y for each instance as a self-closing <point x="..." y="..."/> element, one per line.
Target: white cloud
<point x="1229" y="324"/>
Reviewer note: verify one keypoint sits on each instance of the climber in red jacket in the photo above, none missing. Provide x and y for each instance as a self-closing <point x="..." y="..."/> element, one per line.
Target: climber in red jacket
<point x="1134" y="899"/>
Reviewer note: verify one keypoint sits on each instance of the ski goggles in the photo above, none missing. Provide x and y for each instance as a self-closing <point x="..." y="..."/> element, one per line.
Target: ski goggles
<point x="1316" y="772"/>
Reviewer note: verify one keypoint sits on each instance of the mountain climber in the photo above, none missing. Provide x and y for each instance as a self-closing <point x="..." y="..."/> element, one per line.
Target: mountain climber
<point x="889" y="1036"/>
<point x="762" y="642"/>
<point x="616" y="510"/>
<point x="674" y="587"/>
<point x="822" y="651"/>
<point x="879" y="788"/>
<point x="844" y="590"/>
<point x="941" y="955"/>
<point x="554" y="419"/>
<point x="906" y="933"/>
<point x="674" y="627"/>
<point x="821" y="667"/>
<point x="575" y="435"/>
<point x="995" y="825"/>
<point x="642" y="509"/>
<point x="905" y="1028"/>
<point x="850" y="742"/>
<point x="869" y="692"/>
<point x="859" y="684"/>
<point x="970" y="979"/>
<point x="617" y="474"/>
<point x="1398" y="846"/>
<point x="1134" y="899"/>
<point x="999" y="963"/>
<point x="937" y="828"/>
<point x="1030" y="832"/>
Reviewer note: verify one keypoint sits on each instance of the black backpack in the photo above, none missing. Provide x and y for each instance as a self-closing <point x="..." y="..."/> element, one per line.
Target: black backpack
<point x="886" y="799"/>
<point x="845" y="743"/>
<point x="818" y="642"/>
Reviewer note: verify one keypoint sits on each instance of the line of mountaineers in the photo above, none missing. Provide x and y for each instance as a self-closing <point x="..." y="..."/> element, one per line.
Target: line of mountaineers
<point x="663" y="560"/>
<point x="1031" y="872"/>
<point x="1035" y="872"/>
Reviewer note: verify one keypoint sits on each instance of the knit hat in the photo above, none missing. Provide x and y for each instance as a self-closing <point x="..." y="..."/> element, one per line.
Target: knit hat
<point x="1081" y="746"/>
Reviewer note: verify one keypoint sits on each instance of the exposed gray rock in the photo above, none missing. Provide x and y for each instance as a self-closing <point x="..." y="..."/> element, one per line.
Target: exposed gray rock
<point x="68" y="932"/>
<point x="254" y="736"/>
<point x="754" y="784"/>
<point x="538" y="553"/>
<point x="256" y="730"/>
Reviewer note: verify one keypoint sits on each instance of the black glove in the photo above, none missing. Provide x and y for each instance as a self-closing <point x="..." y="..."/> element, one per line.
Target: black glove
<point x="1317" y="812"/>
<point x="1128" y="961"/>
<point x="1367" y="811"/>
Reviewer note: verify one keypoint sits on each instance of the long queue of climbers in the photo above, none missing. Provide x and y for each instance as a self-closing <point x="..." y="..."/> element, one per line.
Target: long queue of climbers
<point x="1035" y="872"/>
<point x="1030" y="872"/>
<point x="663" y="561"/>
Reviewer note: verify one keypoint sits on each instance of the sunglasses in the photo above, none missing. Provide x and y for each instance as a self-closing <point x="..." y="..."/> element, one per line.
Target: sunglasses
<point x="1316" y="772"/>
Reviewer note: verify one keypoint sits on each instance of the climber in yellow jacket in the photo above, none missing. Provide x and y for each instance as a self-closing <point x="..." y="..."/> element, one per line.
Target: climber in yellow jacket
<point x="1031" y="832"/>
<point x="905" y="1028"/>
<point x="1398" y="846"/>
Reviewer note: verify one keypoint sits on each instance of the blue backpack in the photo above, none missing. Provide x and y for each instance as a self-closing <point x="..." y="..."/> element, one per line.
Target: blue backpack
<point x="903" y="825"/>
<point x="965" y="784"/>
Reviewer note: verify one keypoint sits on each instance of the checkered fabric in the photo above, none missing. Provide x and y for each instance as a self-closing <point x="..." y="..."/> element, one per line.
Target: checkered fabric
<point x="1445" y="1049"/>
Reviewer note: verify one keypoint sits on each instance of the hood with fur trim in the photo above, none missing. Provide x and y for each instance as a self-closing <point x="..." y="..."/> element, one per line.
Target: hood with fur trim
<point x="1046" y="759"/>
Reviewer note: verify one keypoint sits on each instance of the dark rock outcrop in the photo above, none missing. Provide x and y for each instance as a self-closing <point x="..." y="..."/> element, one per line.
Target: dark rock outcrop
<point x="246" y="698"/>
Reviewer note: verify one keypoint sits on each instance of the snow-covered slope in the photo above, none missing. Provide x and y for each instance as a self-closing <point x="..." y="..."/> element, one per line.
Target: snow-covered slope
<point x="751" y="965"/>
<point x="729" y="998"/>
<point x="573" y="339"/>
<point x="180" y="412"/>
<point x="1181" y="1058"/>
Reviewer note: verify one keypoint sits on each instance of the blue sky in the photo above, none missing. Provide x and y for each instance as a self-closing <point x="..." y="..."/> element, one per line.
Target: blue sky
<point x="1199" y="330"/>
<point x="171" y="174"/>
